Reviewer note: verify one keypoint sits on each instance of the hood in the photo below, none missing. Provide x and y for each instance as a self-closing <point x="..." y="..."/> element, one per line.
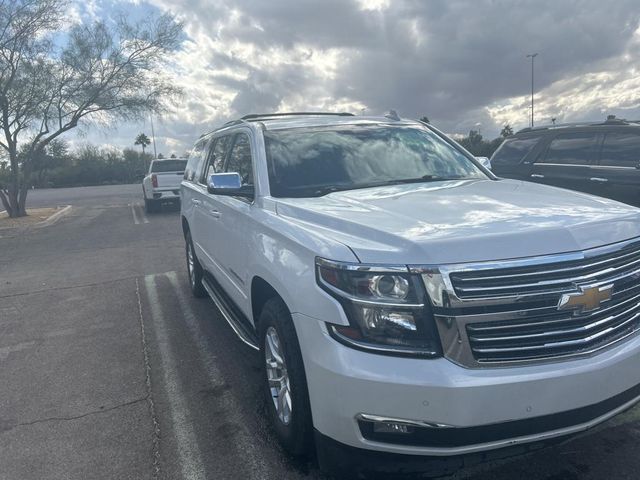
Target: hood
<point x="463" y="221"/>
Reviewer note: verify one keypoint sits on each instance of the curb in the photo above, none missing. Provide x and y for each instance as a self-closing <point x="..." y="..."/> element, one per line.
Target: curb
<point x="54" y="218"/>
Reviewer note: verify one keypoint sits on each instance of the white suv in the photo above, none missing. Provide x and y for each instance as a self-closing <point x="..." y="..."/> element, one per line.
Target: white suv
<point x="406" y="302"/>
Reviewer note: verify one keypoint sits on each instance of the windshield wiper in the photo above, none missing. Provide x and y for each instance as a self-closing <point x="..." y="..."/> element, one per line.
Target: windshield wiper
<point x="321" y="191"/>
<point x="423" y="179"/>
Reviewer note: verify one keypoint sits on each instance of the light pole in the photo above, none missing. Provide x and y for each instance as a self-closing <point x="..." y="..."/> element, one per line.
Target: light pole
<point x="153" y="136"/>
<point x="532" y="56"/>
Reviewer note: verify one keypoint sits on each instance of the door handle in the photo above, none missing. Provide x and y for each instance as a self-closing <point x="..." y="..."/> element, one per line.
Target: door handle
<point x="196" y="202"/>
<point x="598" y="179"/>
<point x="537" y="175"/>
<point x="214" y="213"/>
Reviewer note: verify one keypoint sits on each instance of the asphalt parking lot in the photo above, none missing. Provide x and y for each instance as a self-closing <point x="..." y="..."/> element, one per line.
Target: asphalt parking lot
<point x="111" y="370"/>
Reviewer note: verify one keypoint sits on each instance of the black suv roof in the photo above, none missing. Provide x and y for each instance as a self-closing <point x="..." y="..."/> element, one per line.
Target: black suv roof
<point x="610" y="121"/>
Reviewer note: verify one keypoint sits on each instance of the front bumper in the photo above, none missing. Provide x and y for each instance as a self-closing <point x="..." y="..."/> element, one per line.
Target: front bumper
<point x="465" y="410"/>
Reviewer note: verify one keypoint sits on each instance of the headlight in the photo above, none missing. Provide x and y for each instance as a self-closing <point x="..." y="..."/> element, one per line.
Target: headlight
<point x="387" y="308"/>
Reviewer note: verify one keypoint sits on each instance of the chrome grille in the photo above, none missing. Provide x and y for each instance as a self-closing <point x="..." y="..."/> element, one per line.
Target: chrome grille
<point x="504" y="312"/>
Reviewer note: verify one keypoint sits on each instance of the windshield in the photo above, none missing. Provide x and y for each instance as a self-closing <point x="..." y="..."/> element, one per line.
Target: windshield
<point x="306" y="162"/>
<point x="169" y="166"/>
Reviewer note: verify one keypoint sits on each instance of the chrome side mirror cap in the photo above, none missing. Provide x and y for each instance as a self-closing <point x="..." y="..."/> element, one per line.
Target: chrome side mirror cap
<point x="229" y="184"/>
<point x="485" y="162"/>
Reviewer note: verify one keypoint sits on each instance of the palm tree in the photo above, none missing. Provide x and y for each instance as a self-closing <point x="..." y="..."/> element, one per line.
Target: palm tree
<point x="143" y="141"/>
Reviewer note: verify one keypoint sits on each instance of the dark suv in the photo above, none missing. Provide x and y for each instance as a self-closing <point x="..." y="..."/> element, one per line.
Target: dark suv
<point x="599" y="158"/>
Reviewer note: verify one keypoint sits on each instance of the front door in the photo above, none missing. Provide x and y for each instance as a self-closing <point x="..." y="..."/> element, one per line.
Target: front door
<point x="233" y="225"/>
<point x="208" y="218"/>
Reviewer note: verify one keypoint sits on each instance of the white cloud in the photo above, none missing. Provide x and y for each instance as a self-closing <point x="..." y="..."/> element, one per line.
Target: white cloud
<point x="458" y="62"/>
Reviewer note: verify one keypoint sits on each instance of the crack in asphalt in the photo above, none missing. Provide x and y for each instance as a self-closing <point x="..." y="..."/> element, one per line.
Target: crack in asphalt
<point x="74" y="417"/>
<point x="71" y="287"/>
<point x="149" y="397"/>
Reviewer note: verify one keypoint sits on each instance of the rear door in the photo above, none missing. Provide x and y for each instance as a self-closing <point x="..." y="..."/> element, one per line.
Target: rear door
<point x="619" y="164"/>
<point x="567" y="160"/>
<point x="191" y="191"/>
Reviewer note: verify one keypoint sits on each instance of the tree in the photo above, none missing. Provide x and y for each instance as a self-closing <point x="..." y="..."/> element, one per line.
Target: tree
<point x="425" y="119"/>
<point x="55" y="155"/>
<point x="143" y="141"/>
<point x="506" y="131"/>
<point x="102" y="73"/>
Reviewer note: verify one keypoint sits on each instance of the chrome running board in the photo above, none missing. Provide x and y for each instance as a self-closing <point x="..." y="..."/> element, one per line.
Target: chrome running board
<point x="232" y="319"/>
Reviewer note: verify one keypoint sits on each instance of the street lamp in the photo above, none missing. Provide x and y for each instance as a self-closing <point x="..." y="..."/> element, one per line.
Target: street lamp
<point x="532" y="56"/>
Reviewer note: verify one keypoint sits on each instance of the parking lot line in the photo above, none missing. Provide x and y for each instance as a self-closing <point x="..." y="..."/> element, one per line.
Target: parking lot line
<point x="138" y="214"/>
<point x="143" y="215"/>
<point x="135" y="215"/>
<point x="256" y="468"/>
<point x="189" y="454"/>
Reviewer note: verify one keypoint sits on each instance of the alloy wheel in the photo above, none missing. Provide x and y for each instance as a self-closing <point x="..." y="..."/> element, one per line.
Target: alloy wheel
<point x="277" y="376"/>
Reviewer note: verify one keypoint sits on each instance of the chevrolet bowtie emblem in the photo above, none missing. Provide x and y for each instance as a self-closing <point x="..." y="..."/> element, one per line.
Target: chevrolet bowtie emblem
<point x="587" y="299"/>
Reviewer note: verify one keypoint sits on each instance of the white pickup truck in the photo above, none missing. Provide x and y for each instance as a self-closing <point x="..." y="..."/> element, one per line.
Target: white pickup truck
<point x="162" y="182"/>
<point x="407" y="303"/>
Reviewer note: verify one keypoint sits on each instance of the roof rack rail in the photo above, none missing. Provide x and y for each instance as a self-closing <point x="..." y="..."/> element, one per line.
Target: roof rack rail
<point x="255" y="116"/>
<point x="610" y="121"/>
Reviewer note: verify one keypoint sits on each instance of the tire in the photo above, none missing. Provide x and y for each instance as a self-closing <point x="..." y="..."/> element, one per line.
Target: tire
<point x="293" y="430"/>
<point x="150" y="206"/>
<point x="194" y="269"/>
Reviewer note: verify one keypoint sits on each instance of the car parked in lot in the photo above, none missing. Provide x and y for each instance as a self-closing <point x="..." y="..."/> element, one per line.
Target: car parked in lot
<point x="600" y="158"/>
<point x="162" y="182"/>
<point x="406" y="302"/>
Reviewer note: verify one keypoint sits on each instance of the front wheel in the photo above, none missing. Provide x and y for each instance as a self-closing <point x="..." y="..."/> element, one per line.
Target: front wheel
<point x="284" y="384"/>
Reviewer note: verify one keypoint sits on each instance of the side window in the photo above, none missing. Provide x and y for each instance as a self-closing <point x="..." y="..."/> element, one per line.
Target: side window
<point x="191" y="170"/>
<point x="215" y="160"/>
<point x="572" y="149"/>
<point x="621" y="149"/>
<point x="240" y="159"/>
<point x="513" y="151"/>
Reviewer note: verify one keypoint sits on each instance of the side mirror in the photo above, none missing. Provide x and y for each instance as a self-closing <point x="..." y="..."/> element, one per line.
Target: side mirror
<point x="485" y="162"/>
<point x="229" y="184"/>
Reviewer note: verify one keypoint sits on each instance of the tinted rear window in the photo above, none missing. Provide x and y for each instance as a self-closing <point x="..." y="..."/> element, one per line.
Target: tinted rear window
<point x="169" y="166"/>
<point x="578" y="148"/>
<point x="621" y="149"/>
<point x="514" y="150"/>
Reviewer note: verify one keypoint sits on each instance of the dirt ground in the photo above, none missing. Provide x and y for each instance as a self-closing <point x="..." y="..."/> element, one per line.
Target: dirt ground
<point x="34" y="215"/>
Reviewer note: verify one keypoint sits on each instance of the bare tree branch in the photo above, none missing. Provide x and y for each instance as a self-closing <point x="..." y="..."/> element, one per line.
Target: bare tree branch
<point x="103" y="73"/>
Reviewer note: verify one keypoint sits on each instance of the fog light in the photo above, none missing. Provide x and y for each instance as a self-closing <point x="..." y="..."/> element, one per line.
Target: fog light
<point x="390" y="427"/>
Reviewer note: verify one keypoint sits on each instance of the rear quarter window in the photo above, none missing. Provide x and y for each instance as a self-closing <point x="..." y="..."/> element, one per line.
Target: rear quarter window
<point x="621" y="149"/>
<point x="513" y="150"/>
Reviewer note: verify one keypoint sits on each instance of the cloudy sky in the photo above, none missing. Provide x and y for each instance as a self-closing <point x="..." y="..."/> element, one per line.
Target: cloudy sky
<point x="461" y="63"/>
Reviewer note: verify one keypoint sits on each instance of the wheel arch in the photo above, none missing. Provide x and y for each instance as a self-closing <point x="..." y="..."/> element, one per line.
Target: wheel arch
<point x="262" y="291"/>
<point x="185" y="226"/>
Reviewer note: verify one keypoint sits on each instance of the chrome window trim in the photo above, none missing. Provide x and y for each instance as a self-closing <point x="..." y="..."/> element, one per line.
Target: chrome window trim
<point x="612" y="167"/>
<point x="563" y="164"/>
